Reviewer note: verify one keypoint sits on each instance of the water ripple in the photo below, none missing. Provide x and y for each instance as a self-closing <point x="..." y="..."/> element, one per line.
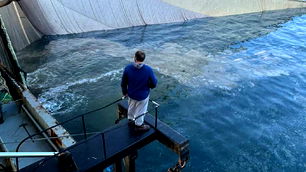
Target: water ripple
<point x="235" y="86"/>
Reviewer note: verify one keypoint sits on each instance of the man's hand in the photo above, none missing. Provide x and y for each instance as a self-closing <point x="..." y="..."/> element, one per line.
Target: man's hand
<point x="124" y="96"/>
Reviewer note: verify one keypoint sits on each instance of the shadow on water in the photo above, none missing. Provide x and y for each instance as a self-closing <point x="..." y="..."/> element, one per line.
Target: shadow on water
<point x="233" y="85"/>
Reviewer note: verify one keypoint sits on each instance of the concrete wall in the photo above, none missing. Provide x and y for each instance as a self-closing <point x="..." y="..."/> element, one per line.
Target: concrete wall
<point x="232" y="7"/>
<point x="20" y="30"/>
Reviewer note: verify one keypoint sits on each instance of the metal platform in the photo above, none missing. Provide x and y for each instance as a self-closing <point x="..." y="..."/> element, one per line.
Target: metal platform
<point x="100" y="151"/>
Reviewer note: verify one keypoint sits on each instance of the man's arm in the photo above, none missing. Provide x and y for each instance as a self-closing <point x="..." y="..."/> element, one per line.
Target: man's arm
<point x="124" y="83"/>
<point x="152" y="80"/>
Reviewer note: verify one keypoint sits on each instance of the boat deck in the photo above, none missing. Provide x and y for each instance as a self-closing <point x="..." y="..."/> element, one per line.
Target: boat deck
<point x="100" y="151"/>
<point x="12" y="133"/>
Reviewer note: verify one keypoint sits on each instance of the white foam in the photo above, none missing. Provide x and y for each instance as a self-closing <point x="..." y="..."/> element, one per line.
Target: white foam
<point x="54" y="98"/>
<point x="56" y="103"/>
<point x="66" y="86"/>
<point x="270" y="73"/>
<point x="238" y="59"/>
<point x="260" y="52"/>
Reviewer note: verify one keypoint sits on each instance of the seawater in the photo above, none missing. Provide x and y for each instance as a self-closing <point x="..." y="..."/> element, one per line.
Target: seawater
<point x="235" y="86"/>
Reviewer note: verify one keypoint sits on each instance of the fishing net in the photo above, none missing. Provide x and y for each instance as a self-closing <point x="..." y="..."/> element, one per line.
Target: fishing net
<point x="53" y="17"/>
<point x="19" y="28"/>
<point x="8" y="59"/>
<point x="234" y="7"/>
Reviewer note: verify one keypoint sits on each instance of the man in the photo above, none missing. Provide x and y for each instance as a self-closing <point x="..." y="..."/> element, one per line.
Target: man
<point x="137" y="80"/>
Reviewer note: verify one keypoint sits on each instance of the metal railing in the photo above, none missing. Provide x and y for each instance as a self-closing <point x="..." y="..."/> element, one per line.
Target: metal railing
<point x="82" y="116"/>
<point x="156" y="112"/>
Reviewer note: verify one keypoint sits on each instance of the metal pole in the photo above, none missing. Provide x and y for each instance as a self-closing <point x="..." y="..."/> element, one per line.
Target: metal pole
<point x="84" y="127"/>
<point x="17" y="163"/>
<point x="26" y="154"/>
<point x="118" y="166"/>
<point x="104" y="147"/>
<point x="130" y="165"/>
<point x="156" y="112"/>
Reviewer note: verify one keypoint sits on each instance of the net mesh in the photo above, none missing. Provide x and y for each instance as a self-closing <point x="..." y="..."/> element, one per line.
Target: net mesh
<point x="53" y="17"/>
<point x="8" y="58"/>
<point x="19" y="28"/>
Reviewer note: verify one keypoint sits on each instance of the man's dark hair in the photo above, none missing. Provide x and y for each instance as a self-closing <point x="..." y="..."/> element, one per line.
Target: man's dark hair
<point x="140" y="56"/>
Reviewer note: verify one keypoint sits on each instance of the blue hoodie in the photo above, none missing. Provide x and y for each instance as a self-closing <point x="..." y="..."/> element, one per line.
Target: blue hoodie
<point x="137" y="81"/>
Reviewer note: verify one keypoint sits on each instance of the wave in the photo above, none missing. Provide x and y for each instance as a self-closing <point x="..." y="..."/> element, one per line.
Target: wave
<point x="55" y="98"/>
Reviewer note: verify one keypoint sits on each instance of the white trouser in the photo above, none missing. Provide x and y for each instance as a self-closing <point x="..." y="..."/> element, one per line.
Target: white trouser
<point x="137" y="108"/>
